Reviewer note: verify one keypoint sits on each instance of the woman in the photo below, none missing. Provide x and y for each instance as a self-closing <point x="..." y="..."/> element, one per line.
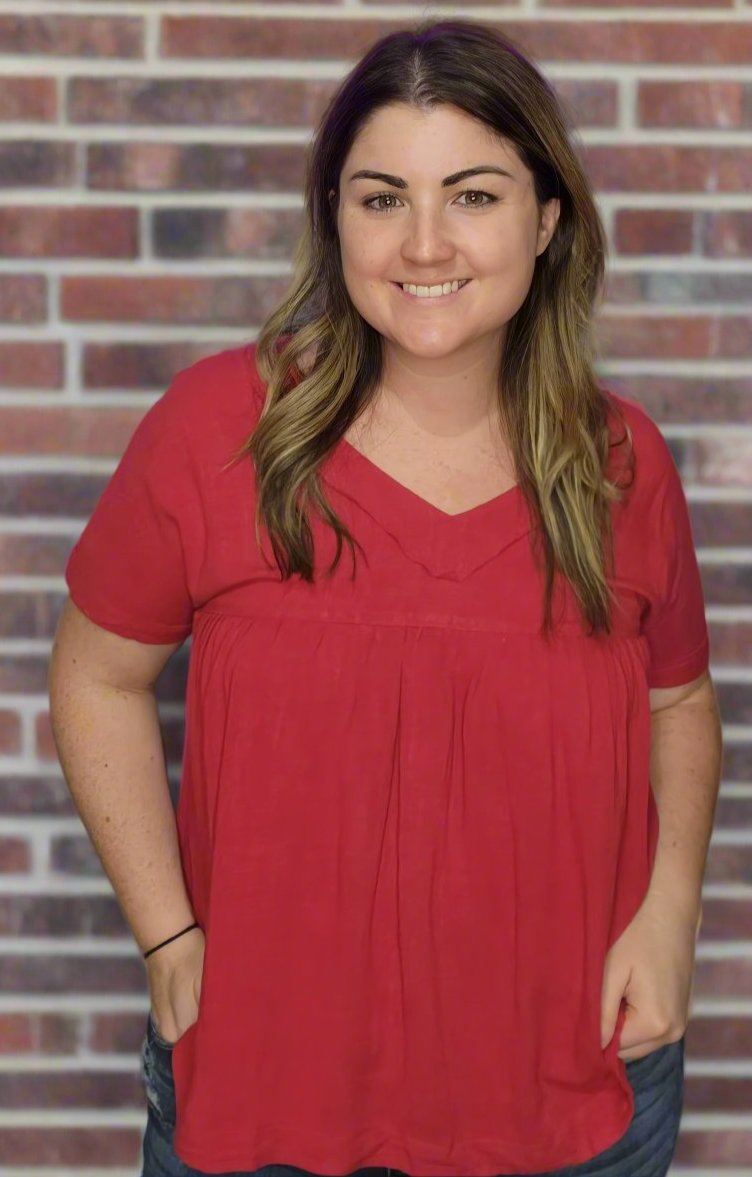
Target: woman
<point x="407" y="921"/>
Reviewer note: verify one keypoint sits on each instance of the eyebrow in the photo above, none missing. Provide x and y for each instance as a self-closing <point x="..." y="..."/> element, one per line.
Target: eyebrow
<point x="447" y="182"/>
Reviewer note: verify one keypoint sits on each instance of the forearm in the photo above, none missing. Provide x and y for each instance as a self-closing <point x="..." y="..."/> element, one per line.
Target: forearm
<point x="110" y="749"/>
<point x="685" y="771"/>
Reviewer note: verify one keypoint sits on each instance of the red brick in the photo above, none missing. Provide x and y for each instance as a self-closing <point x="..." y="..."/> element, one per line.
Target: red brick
<point x="15" y="853"/>
<point x="262" y="101"/>
<point x="57" y="973"/>
<point x="68" y="232"/>
<point x="736" y="700"/>
<point x="217" y="232"/>
<point x="735" y="337"/>
<point x="723" y="461"/>
<point x="46" y="796"/>
<point x="93" y="1146"/>
<point x="143" y="366"/>
<point x="724" y="1037"/>
<point x="671" y="336"/>
<point x="45" y="747"/>
<point x="121" y="1033"/>
<point x="737" y="757"/>
<point x="720" y="524"/>
<point x="36" y="163"/>
<point x="589" y="102"/>
<point x="26" y="614"/>
<point x="16" y="1033"/>
<point x="733" y="813"/>
<point x="24" y="673"/>
<point x="74" y="855"/>
<point x="72" y="36"/>
<point x="23" y="298"/>
<point x="155" y="299"/>
<point x="197" y="101"/>
<point x="726" y="233"/>
<point x="59" y="495"/>
<point x="96" y="430"/>
<point x="60" y="915"/>
<point x="713" y="1148"/>
<point x="207" y="167"/>
<point x="687" y="399"/>
<point x="722" y="976"/>
<point x="727" y="584"/>
<point x="668" y="167"/>
<point x="625" y="336"/>
<point x="26" y="98"/>
<point x="636" y="3"/>
<point x="664" y="42"/>
<point x="101" y="1089"/>
<point x="725" y="105"/>
<point x="29" y="1031"/>
<point x="653" y="230"/>
<point x="729" y="864"/>
<point x="687" y="285"/>
<point x="10" y="733"/>
<point x="27" y="364"/>
<point x="31" y="554"/>
<point x="716" y="1093"/>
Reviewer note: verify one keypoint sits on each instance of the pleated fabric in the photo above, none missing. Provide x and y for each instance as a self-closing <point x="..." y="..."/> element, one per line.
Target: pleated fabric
<point x="410" y="826"/>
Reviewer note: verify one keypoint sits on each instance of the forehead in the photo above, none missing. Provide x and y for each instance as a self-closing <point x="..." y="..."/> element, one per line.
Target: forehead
<point x="439" y="139"/>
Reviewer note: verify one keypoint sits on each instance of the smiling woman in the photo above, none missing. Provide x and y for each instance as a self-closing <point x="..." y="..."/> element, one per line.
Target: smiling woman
<point x="416" y="821"/>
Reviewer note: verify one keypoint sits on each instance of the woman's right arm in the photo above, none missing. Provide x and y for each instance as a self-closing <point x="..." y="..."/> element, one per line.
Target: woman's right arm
<point x="105" y="725"/>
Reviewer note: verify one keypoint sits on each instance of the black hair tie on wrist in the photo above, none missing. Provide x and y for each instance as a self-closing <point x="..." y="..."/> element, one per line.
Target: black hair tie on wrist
<point x="154" y="949"/>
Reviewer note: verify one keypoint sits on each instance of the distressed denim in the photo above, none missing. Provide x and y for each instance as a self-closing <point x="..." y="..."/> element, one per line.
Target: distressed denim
<point x="645" y="1150"/>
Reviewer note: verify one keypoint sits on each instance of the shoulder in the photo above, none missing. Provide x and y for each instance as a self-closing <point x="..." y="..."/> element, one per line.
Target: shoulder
<point x="652" y="454"/>
<point x="223" y="383"/>
<point x="208" y="410"/>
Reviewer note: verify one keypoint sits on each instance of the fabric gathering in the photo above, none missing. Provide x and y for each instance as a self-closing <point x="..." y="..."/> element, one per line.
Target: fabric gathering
<point x="410" y="828"/>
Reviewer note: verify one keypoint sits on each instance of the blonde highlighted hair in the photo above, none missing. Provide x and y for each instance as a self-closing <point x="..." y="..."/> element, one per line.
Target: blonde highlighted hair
<point x="322" y="362"/>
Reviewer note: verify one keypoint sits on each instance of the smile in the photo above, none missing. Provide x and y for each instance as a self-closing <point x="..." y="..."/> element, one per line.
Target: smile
<point x="430" y="299"/>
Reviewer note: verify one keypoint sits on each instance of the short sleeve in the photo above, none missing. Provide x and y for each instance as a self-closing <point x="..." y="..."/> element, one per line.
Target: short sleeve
<point x="133" y="568"/>
<point x="674" y="622"/>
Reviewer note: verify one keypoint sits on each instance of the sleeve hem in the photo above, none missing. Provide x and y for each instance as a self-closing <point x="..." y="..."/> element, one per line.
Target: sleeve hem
<point x="678" y="673"/>
<point x="153" y="634"/>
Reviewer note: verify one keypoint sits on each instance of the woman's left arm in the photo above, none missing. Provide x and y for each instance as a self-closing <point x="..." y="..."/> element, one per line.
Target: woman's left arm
<point x="651" y="964"/>
<point x="686" y="753"/>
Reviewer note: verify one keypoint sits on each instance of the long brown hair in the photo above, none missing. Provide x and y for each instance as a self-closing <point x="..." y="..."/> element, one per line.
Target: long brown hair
<point x="554" y="414"/>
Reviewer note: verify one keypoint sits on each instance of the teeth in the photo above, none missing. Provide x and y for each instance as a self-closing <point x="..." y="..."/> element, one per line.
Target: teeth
<point x="434" y="291"/>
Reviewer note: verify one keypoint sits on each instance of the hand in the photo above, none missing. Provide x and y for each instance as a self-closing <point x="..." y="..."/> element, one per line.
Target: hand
<point x="175" y="974"/>
<point x="651" y="965"/>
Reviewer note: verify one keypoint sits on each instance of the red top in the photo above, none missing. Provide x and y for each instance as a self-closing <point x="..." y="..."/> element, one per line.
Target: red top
<point x="409" y="828"/>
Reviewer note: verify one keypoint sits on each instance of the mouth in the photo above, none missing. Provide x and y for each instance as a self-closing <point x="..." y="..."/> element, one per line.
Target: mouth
<point x="430" y="300"/>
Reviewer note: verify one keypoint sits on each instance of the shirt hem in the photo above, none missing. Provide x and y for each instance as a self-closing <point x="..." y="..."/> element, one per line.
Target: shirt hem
<point x="319" y="1159"/>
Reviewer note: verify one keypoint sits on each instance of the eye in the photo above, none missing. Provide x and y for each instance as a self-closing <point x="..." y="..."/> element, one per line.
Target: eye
<point x="369" y="203"/>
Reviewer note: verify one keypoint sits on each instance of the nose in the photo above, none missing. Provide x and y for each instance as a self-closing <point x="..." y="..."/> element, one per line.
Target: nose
<point x="427" y="240"/>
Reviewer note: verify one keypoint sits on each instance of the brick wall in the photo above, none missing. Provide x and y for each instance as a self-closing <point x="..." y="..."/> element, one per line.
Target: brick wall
<point x="150" y="162"/>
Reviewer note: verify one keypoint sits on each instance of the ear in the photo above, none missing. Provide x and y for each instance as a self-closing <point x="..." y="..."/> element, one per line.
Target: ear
<point x="549" y="219"/>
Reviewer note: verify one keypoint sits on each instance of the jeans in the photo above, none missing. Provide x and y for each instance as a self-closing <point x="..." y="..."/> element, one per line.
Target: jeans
<point x="645" y="1150"/>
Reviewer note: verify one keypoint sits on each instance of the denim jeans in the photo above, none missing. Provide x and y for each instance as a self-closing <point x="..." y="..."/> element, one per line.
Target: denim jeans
<point x="645" y="1150"/>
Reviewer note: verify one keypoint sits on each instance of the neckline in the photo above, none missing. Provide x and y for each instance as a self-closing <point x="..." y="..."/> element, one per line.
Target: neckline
<point x="445" y="545"/>
<point x="400" y="488"/>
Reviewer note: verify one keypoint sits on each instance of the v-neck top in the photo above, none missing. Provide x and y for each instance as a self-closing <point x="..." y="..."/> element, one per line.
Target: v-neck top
<point x="410" y="827"/>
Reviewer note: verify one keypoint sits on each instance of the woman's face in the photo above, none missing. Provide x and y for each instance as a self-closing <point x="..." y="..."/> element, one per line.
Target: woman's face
<point x="411" y="225"/>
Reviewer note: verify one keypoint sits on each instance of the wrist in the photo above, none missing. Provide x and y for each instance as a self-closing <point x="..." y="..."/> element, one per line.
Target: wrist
<point x="686" y="904"/>
<point x="170" y="944"/>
